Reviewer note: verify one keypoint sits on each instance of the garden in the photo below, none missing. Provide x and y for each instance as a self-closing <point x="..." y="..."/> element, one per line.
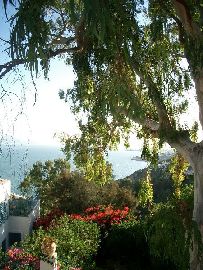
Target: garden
<point x="130" y="231"/>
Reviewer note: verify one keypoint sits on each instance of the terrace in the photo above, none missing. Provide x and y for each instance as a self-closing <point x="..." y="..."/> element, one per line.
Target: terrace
<point x="19" y="206"/>
<point x="17" y="215"/>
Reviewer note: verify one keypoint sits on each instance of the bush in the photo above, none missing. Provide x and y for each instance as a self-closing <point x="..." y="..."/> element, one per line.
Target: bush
<point x="104" y="216"/>
<point x="166" y="235"/>
<point x="77" y="242"/>
<point x="18" y="259"/>
<point x="58" y="187"/>
<point x="126" y="245"/>
<point x="126" y="248"/>
<point x="44" y="221"/>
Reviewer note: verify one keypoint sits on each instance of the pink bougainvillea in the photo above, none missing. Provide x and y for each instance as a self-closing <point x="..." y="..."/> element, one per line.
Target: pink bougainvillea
<point x="18" y="259"/>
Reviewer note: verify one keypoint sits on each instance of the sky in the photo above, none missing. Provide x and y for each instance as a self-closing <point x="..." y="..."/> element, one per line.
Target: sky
<point x="24" y="121"/>
<point x="49" y="115"/>
<point x="39" y="121"/>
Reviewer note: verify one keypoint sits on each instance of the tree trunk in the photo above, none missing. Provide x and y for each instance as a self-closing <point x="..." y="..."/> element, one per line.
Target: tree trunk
<point x="199" y="91"/>
<point x="193" y="153"/>
<point x="195" y="263"/>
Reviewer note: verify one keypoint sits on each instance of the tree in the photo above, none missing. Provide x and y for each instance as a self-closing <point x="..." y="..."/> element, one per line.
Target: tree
<point x="129" y="59"/>
<point x="59" y="188"/>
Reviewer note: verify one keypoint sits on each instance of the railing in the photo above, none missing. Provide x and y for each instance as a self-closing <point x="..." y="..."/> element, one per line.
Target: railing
<point x="21" y="206"/>
<point x="3" y="212"/>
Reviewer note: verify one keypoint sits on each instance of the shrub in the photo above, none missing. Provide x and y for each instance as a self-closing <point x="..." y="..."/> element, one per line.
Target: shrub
<point x="126" y="242"/>
<point x="104" y="216"/>
<point x="77" y="242"/>
<point x="45" y="220"/>
<point x="112" y="193"/>
<point x="126" y="247"/>
<point x="166" y="235"/>
<point x="18" y="259"/>
<point x="58" y="187"/>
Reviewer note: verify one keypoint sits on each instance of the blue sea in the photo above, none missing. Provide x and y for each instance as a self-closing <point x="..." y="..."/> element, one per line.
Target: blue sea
<point x="15" y="161"/>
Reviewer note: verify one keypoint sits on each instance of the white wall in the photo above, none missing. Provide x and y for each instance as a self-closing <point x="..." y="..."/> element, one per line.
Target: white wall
<point x="35" y="212"/>
<point x="5" y="192"/>
<point x="19" y="225"/>
<point x="15" y="224"/>
<point x="23" y="225"/>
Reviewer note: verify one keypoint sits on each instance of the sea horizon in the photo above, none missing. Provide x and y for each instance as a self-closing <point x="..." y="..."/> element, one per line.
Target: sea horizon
<point x="17" y="160"/>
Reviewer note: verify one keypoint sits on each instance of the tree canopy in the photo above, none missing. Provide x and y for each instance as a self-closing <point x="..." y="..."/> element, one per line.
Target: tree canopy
<point x="129" y="60"/>
<point x="135" y="61"/>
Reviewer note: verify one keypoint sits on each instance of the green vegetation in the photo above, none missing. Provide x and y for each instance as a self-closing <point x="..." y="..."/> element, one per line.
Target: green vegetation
<point x="146" y="236"/>
<point x="161" y="179"/>
<point x="167" y="236"/>
<point x="135" y="63"/>
<point x="145" y="195"/>
<point x="127" y="247"/>
<point x="77" y="242"/>
<point x="54" y="178"/>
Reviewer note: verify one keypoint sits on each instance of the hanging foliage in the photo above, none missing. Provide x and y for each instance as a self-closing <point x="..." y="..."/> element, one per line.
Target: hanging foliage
<point x="145" y="194"/>
<point x="177" y="168"/>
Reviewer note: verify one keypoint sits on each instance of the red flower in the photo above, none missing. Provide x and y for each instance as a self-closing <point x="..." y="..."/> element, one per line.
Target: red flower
<point x="104" y="216"/>
<point x="46" y="221"/>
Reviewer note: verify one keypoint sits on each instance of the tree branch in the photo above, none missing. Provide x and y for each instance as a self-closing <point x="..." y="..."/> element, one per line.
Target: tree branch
<point x="164" y="121"/>
<point x="63" y="40"/>
<point x="177" y="139"/>
<point x="7" y="67"/>
<point x="149" y="123"/>
<point x="186" y="19"/>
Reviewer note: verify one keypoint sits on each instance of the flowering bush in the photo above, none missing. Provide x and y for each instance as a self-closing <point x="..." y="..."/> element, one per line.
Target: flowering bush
<point x="104" y="216"/>
<point x="77" y="242"/>
<point x="46" y="220"/>
<point x="18" y="259"/>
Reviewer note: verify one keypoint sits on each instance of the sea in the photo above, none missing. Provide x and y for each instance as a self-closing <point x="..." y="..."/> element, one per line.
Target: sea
<point x="16" y="161"/>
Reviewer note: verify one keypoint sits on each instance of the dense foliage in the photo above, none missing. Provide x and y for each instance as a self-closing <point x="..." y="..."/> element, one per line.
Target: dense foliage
<point x="108" y="237"/>
<point x="126" y="247"/>
<point x="18" y="259"/>
<point x="103" y="216"/>
<point x="77" y="242"/>
<point x="145" y="195"/>
<point x="167" y="236"/>
<point x="152" y="235"/>
<point x="161" y="180"/>
<point x="159" y="240"/>
<point x="134" y="61"/>
<point x="53" y="178"/>
<point x="128" y="57"/>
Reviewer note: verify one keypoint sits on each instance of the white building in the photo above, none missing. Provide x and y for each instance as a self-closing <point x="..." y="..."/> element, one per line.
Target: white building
<point x="17" y="215"/>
